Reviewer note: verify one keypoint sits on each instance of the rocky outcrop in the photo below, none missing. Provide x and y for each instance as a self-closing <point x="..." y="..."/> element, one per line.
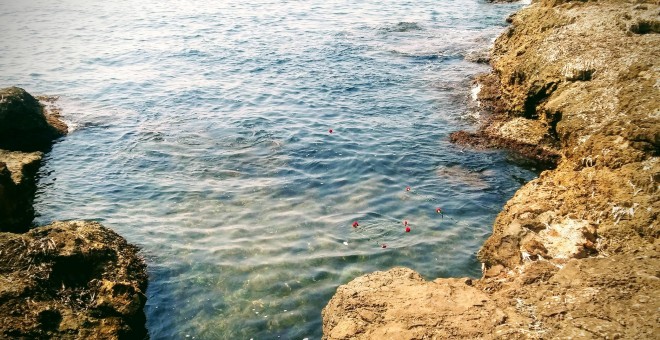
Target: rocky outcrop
<point x="23" y="124"/>
<point x="595" y="298"/>
<point x="578" y="73"/>
<point x="73" y="280"/>
<point x="27" y="127"/>
<point x="400" y="304"/>
<point x="67" y="280"/>
<point x="575" y="252"/>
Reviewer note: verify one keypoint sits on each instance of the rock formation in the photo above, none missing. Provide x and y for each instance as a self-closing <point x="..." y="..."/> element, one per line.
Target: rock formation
<point x="26" y="128"/>
<point x="23" y="124"/>
<point x="68" y="280"/>
<point x="574" y="254"/>
<point x="75" y="280"/>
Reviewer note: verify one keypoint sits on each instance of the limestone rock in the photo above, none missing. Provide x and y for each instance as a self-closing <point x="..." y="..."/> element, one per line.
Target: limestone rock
<point x="400" y="304"/>
<point x="573" y="71"/>
<point x="71" y="280"/>
<point x="575" y="253"/>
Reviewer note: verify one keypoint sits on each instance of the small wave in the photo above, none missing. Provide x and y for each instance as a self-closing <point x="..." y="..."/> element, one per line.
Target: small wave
<point x="403" y="26"/>
<point x="475" y="93"/>
<point x="419" y="55"/>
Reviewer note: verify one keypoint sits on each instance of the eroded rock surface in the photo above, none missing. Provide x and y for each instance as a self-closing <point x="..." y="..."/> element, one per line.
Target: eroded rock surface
<point x="71" y="280"/>
<point x="595" y="298"/>
<point x="400" y="304"/>
<point x="578" y="74"/>
<point x="575" y="253"/>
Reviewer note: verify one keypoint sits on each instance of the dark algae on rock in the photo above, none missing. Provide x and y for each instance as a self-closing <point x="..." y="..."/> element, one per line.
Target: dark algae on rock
<point x="575" y="252"/>
<point x="67" y="280"/>
<point x="23" y="124"/>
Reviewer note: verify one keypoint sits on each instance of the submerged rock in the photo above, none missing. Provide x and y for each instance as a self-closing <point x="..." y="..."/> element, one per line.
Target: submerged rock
<point x="23" y="124"/>
<point x="72" y="280"/>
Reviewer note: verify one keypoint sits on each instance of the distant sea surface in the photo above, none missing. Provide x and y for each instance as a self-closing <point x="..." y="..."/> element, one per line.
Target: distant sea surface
<point x="201" y="132"/>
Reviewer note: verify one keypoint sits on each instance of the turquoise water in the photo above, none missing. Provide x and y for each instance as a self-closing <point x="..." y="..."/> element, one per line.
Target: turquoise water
<point x="201" y="133"/>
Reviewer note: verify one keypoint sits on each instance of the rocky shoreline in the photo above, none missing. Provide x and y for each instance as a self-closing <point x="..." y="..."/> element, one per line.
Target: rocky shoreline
<point x="70" y="280"/>
<point x="575" y="252"/>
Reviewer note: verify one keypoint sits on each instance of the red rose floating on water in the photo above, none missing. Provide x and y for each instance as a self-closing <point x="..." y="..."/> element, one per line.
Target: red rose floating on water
<point x="407" y="229"/>
<point x="407" y="188"/>
<point x="330" y="130"/>
<point x="439" y="211"/>
<point x="355" y="224"/>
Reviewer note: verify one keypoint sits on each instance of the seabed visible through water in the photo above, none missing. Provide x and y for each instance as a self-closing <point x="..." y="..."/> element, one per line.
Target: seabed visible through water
<point x="202" y="134"/>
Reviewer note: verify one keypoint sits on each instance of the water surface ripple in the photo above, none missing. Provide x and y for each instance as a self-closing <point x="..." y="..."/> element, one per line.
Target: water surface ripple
<point x="201" y="133"/>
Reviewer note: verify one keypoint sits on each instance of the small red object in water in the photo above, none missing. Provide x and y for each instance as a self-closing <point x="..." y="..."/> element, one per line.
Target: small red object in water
<point x="405" y="222"/>
<point x="355" y="224"/>
<point x="407" y="188"/>
<point x="407" y="229"/>
<point x="330" y="130"/>
<point x="384" y="245"/>
<point x="438" y="210"/>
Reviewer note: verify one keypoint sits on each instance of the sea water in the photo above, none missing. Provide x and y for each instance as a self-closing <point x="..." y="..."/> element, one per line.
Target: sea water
<point x="200" y="131"/>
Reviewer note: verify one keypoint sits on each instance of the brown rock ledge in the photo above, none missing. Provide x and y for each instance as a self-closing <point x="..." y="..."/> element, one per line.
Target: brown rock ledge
<point x="575" y="252"/>
<point x="71" y="280"/>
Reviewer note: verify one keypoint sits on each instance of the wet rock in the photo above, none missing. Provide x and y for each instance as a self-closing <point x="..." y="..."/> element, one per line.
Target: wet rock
<point x="478" y="56"/>
<point x="23" y="124"/>
<point x="601" y="193"/>
<point x="71" y="280"/>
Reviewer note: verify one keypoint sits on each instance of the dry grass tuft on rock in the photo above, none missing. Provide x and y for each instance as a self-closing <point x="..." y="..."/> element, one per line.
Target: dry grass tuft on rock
<point x="76" y="280"/>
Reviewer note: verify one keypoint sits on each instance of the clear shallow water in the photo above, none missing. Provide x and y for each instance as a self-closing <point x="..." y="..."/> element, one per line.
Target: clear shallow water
<point x="201" y="134"/>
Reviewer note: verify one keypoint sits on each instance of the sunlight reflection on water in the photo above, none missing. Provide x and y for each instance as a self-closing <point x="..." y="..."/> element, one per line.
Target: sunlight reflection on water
<point x="201" y="134"/>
